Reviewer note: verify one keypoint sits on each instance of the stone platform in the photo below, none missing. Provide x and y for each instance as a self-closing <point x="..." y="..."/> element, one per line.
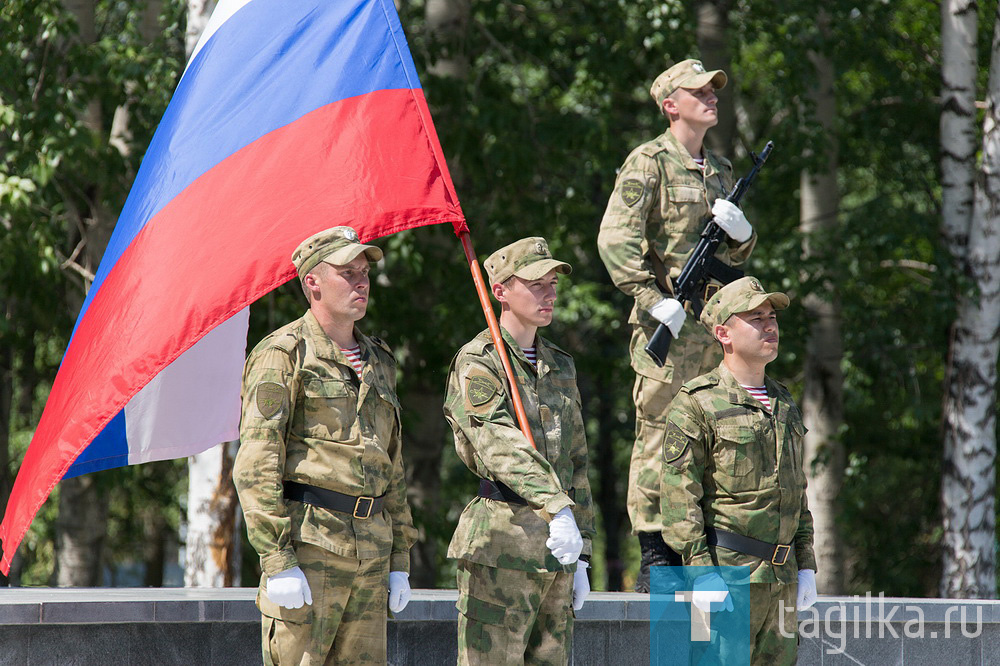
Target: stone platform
<point x="110" y="626"/>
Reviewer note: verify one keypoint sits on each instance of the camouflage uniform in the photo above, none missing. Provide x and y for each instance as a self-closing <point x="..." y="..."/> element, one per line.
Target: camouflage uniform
<point x="661" y="202"/>
<point x="514" y="596"/>
<point x="729" y="464"/>
<point x="308" y="419"/>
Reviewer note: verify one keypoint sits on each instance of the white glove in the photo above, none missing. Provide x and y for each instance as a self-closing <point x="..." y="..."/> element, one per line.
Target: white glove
<point x="399" y="590"/>
<point x="289" y="588"/>
<point x="807" y="589"/>
<point x="564" y="539"/>
<point x="670" y="313"/>
<point x="581" y="585"/>
<point x="732" y="220"/>
<point x="711" y="594"/>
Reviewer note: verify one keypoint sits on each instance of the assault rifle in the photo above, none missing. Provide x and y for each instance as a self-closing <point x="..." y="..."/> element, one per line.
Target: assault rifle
<point x="702" y="264"/>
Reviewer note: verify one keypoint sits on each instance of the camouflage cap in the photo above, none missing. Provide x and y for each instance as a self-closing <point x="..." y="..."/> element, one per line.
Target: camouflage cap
<point x="336" y="245"/>
<point x="688" y="74"/>
<point x="742" y="295"/>
<point x="528" y="258"/>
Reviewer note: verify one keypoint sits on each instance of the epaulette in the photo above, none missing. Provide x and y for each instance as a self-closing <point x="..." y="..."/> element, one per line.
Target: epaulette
<point x="554" y="347"/>
<point x="781" y="386"/>
<point x="381" y="343"/>
<point x="706" y="380"/>
<point x="652" y="148"/>
<point x="478" y="344"/>
<point x="283" y="339"/>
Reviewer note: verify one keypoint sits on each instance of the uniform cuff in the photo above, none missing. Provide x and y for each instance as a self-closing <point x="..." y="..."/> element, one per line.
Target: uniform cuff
<point x="703" y="560"/>
<point x="399" y="562"/>
<point x="806" y="559"/>
<point x="647" y="298"/>
<point x="557" y="503"/>
<point x="277" y="562"/>
<point x="700" y="557"/>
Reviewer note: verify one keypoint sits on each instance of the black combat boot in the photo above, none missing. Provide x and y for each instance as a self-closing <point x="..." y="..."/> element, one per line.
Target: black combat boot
<point x="655" y="553"/>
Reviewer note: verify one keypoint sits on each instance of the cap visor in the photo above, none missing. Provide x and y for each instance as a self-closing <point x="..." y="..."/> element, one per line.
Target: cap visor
<point x="346" y="255"/>
<point x="541" y="268"/>
<point x="777" y="300"/>
<point x="717" y="77"/>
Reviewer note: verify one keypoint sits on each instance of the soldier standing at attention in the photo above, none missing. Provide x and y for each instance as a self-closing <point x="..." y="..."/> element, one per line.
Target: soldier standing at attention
<point x="665" y="193"/>
<point x="320" y="469"/>
<point x="733" y="487"/>
<point x="517" y="542"/>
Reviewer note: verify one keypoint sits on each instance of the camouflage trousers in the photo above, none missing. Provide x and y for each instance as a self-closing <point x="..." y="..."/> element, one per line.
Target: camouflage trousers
<point x="692" y="355"/>
<point x="513" y="617"/>
<point x="346" y="622"/>
<point x="756" y="633"/>
<point x="772" y="638"/>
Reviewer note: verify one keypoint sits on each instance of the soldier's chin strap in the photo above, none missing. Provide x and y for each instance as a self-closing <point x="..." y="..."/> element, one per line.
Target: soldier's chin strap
<point x="491" y="321"/>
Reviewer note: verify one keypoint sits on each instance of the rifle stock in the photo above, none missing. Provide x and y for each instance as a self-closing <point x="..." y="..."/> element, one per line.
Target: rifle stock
<point x="702" y="264"/>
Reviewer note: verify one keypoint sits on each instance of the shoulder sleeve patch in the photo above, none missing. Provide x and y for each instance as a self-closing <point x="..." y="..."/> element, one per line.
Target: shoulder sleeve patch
<point x="632" y="190"/>
<point x="675" y="443"/>
<point x="270" y="395"/>
<point x="480" y="389"/>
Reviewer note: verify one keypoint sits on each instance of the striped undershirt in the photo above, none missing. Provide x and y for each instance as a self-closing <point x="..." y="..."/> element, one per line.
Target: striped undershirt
<point x="760" y="393"/>
<point x="530" y="354"/>
<point x="353" y="355"/>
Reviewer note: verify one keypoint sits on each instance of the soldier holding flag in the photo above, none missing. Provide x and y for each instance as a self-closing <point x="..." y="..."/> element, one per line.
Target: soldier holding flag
<point x="517" y="543"/>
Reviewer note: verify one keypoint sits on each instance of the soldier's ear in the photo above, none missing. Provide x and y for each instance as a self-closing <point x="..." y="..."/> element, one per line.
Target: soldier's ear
<point x="721" y="333"/>
<point x="669" y="106"/>
<point x="499" y="292"/>
<point x="310" y="282"/>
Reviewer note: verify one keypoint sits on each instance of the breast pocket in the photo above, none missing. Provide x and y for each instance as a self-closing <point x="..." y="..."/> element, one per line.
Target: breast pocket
<point x="683" y="204"/>
<point x="329" y="409"/>
<point x="737" y="457"/>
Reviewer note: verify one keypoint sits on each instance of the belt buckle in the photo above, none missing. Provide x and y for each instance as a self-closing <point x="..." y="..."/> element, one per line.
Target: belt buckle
<point x="710" y="290"/>
<point x="367" y="511"/>
<point x="783" y="550"/>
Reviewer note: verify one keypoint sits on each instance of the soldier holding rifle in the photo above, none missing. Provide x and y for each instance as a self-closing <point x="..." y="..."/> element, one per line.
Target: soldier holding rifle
<point x="666" y="191"/>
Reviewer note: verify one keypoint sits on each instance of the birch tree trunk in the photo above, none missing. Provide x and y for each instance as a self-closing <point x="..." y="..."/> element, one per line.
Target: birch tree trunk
<point x="213" y="520"/>
<point x="959" y="24"/>
<point x="212" y="544"/>
<point x="822" y="400"/>
<point x="969" y="414"/>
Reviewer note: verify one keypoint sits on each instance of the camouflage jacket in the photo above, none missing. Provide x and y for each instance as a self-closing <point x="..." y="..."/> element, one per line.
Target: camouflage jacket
<point x="729" y="464"/>
<point x="307" y="418"/>
<point x="660" y="205"/>
<point x="489" y="442"/>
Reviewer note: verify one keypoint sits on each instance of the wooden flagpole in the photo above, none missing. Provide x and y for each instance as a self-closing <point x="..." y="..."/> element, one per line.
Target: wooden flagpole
<point x="491" y="320"/>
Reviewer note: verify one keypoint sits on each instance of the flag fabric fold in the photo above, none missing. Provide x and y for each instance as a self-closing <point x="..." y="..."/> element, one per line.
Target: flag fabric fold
<point x="292" y="116"/>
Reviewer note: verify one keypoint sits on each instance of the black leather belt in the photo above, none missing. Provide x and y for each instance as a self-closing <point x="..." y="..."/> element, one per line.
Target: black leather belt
<point x="776" y="554"/>
<point x="496" y="490"/>
<point x="358" y="507"/>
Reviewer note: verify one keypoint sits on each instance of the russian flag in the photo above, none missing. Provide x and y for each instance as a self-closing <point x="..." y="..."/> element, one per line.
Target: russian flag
<point x="292" y="116"/>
